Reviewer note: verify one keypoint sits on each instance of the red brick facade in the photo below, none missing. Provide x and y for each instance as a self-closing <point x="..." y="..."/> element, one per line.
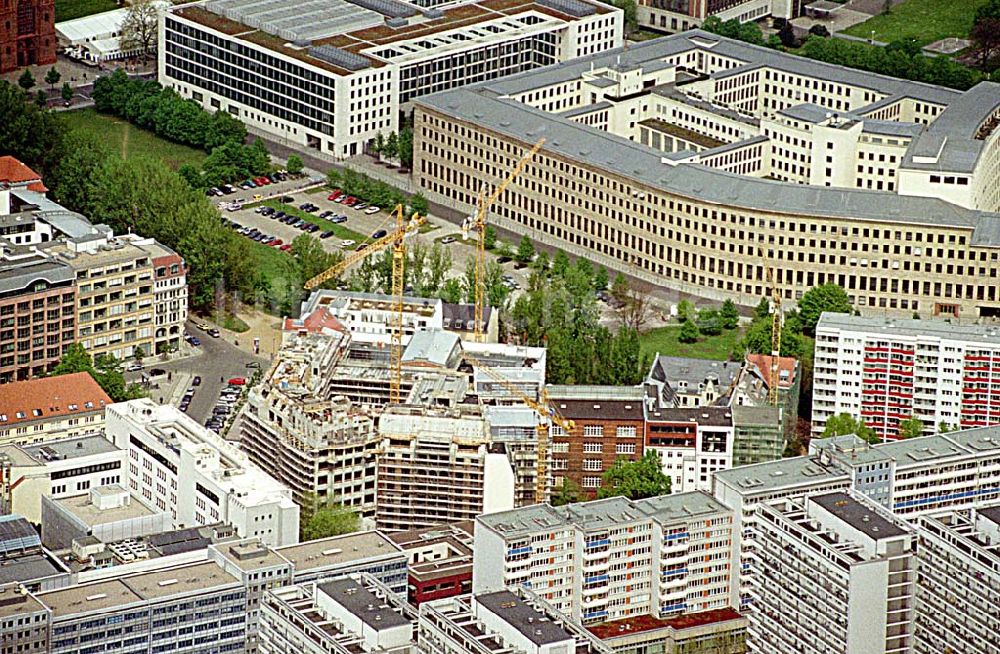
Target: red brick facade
<point x="27" y="34"/>
<point x="606" y="429"/>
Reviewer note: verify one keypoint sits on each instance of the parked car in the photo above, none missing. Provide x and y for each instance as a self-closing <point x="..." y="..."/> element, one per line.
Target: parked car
<point x="379" y="234"/>
<point x="214" y="333"/>
<point x="194" y="340"/>
<point x="504" y="260"/>
<point x="359" y="206"/>
<point x="196" y="381"/>
<point x="350" y="201"/>
<point x="237" y="381"/>
<point x="133" y="367"/>
<point x="304" y="205"/>
<point x="336" y="194"/>
<point x="327" y="234"/>
<point x="287" y="199"/>
<point x="372" y="210"/>
<point x="346" y="243"/>
<point x="448" y="239"/>
<point x="338" y="219"/>
<point x="276" y="242"/>
<point x="286" y="247"/>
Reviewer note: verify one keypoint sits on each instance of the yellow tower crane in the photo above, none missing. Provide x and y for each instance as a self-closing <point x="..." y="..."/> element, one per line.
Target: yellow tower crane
<point x="545" y="410"/>
<point x="477" y="223"/>
<point x="777" y="319"/>
<point x="397" y="239"/>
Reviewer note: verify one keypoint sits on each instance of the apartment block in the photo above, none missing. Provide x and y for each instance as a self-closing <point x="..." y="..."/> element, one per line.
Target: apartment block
<point x="438" y="466"/>
<point x="610" y="425"/>
<point x="171" y="298"/>
<point x="837" y="171"/>
<point x="612" y="559"/>
<point x="759" y="434"/>
<point x="910" y="478"/>
<point x="331" y="77"/>
<point x="681" y="16"/>
<point x="502" y="622"/>
<point x="958" y="578"/>
<point x="692" y="443"/>
<point x="832" y="573"/>
<point x="439" y="561"/>
<point x="115" y="292"/>
<point x="51" y="408"/>
<point x="37" y="314"/>
<point x="58" y="469"/>
<point x="177" y="465"/>
<point x="886" y="370"/>
<point x="355" y="614"/>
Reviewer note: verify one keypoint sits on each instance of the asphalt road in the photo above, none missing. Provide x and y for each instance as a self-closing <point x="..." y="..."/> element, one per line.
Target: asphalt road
<point x="218" y="362"/>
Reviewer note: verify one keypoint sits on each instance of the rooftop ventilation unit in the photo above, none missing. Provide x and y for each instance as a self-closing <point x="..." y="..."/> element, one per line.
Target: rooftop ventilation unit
<point x="389" y="8"/>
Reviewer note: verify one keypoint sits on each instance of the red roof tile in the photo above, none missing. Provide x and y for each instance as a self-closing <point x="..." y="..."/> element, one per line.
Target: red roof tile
<point x="315" y="322"/>
<point x="13" y="171"/>
<point x="785" y="364"/>
<point x="50" y="397"/>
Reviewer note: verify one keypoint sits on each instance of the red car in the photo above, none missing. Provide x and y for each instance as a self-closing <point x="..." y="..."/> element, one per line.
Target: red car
<point x="351" y="201"/>
<point x="237" y="381"/>
<point x="286" y="247"/>
<point x="276" y="242"/>
<point x="262" y="181"/>
<point x="336" y="194"/>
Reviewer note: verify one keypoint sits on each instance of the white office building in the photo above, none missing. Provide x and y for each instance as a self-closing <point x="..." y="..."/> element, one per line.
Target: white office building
<point x="909" y="477"/>
<point x="60" y="469"/>
<point x="884" y="371"/>
<point x="832" y="573"/>
<point x="958" y="568"/>
<point x="611" y="559"/>
<point x="176" y="464"/>
<point x="331" y="75"/>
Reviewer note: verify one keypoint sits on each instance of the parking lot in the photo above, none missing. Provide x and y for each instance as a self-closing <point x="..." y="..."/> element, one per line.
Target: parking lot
<point x="361" y="223"/>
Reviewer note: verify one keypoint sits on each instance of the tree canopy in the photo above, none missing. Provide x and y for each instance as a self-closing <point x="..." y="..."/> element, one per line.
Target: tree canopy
<point x="911" y="428"/>
<point x="106" y="370"/>
<point x="844" y="424"/>
<point x="324" y="519"/>
<point x="635" y="479"/>
<point x="818" y="299"/>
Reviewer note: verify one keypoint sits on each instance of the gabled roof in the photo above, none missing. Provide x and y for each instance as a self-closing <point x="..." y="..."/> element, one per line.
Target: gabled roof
<point x="13" y="171"/>
<point x="50" y="397"/>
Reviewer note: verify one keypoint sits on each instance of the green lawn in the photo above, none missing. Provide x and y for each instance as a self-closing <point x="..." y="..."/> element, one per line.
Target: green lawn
<point x="128" y="139"/>
<point x="665" y="341"/>
<point x="924" y="20"/>
<point x="269" y="260"/>
<point x="339" y="231"/>
<point x="70" y="9"/>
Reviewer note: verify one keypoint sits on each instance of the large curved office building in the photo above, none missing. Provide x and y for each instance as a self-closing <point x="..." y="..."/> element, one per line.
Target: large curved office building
<point x="695" y="162"/>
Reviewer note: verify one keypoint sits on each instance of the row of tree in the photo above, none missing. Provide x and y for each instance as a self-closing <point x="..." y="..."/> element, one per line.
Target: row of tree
<point x="708" y="322"/>
<point x="395" y="147"/>
<point x="635" y="480"/>
<point x="146" y="104"/>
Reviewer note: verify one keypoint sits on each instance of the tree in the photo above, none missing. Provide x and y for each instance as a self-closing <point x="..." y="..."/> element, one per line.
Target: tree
<point x="391" y="148"/>
<point x="66" y="92"/>
<point x="911" y="428"/>
<point x="294" y="164"/>
<point x="819" y="30"/>
<point x="406" y="147"/>
<point x="138" y="28"/>
<point x="41" y="99"/>
<point x="52" y="77"/>
<point x="985" y="37"/>
<point x="819" y="299"/>
<point x="106" y="371"/>
<point x="689" y="332"/>
<point x="787" y="36"/>
<point x="419" y="204"/>
<point x="525" y="250"/>
<point x="943" y="427"/>
<point x="541" y="262"/>
<point x="490" y="237"/>
<point x="451" y="291"/>
<point x="709" y="322"/>
<point x="601" y="279"/>
<point x="569" y="492"/>
<point x="327" y="519"/>
<point x="635" y="480"/>
<point x="762" y="310"/>
<point x="379" y="146"/>
<point x="844" y="424"/>
<point x="634" y="310"/>
<point x="26" y="81"/>
<point x="619" y="288"/>
<point x="729" y="316"/>
<point x="685" y="311"/>
<point x="74" y="359"/>
<point x="138" y="354"/>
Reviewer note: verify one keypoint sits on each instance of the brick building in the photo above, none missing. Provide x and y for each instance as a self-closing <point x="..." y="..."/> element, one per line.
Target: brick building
<point x="609" y="424"/>
<point x="27" y="34"/>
